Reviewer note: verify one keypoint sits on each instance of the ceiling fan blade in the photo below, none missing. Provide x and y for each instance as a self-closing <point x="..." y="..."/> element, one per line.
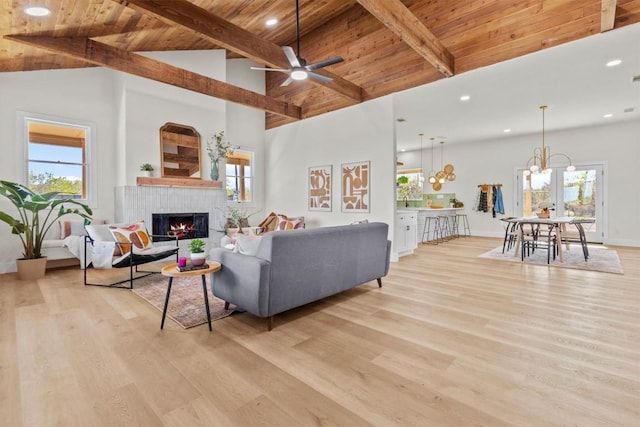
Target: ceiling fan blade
<point x="319" y="78"/>
<point x="282" y="70"/>
<point x="286" y="82"/>
<point x="325" y="63"/>
<point x="291" y="56"/>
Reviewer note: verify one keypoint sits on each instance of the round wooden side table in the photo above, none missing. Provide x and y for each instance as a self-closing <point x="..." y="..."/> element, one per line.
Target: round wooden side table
<point x="172" y="271"/>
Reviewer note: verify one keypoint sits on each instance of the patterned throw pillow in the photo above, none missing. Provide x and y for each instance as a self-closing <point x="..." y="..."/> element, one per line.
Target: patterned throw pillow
<point x="285" y="223"/>
<point x="136" y="234"/>
<point x="269" y="223"/>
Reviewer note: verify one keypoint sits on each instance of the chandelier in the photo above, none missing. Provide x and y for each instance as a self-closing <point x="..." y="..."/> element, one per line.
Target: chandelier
<point x="539" y="163"/>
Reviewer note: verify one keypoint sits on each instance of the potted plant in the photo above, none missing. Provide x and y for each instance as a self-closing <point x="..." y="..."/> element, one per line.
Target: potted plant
<point x="196" y="247"/>
<point x="146" y="169"/>
<point x="455" y="203"/>
<point x="36" y="214"/>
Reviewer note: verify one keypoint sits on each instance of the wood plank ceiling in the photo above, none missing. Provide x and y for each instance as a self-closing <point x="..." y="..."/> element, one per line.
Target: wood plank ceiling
<point x="388" y="45"/>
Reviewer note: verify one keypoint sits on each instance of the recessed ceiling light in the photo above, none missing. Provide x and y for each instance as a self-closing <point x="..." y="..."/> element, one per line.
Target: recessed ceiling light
<point x="271" y="22"/>
<point x="37" y="11"/>
<point x="465" y="98"/>
<point x="507" y="130"/>
<point x="608" y="115"/>
<point x="614" y="62"/>
<point x="403" y="149"/>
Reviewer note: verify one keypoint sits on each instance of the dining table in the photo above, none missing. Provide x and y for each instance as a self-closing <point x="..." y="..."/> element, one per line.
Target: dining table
<point x="560" y="225"/>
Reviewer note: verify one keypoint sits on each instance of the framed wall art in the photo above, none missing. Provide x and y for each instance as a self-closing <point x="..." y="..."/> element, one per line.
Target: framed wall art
<point x="320" y="188"/>
<point x="355" y="187"/>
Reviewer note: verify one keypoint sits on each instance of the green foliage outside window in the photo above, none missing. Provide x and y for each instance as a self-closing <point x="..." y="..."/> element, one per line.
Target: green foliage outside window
<point x="47" y="183"/>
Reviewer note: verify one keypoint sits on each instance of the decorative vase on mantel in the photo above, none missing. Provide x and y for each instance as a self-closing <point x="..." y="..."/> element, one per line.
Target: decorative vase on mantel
<point x="215" y="173"/>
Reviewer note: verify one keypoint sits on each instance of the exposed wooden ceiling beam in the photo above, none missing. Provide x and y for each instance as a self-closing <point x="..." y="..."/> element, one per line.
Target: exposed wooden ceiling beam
<point x="103" y="55"/>
<point x="232" y="37"/>
<point x="395" y="16"/>
<point x="607" y="15"/>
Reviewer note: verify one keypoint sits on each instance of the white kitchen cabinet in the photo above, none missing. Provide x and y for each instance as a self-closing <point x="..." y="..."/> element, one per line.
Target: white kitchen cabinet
<point x="406" y="238"/>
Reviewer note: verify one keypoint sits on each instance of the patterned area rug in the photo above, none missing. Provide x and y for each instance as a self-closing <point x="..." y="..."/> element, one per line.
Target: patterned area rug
<point x="186" y="303"/>
<point x="600" y="258"/>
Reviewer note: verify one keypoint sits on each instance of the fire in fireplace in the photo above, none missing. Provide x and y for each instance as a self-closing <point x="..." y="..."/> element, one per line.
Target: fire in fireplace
<point x="191" y="225"/>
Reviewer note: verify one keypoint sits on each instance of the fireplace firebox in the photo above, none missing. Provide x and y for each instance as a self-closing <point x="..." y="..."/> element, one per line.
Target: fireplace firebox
<point x="192" y="225"/>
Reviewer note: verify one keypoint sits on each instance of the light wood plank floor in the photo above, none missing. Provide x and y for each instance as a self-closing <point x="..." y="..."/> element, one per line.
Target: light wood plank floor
<point x="450" y="340"/>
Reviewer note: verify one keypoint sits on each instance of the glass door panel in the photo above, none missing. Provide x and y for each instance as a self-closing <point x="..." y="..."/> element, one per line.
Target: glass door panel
<point x="573" y="194"/>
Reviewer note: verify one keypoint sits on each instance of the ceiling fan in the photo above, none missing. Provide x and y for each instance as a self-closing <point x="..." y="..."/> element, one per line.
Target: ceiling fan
<point x="299" y="69"/>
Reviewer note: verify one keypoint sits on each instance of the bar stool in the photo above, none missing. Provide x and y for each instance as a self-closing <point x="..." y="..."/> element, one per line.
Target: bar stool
<point x="445" y="227"/>
<point x="453" y="222"/>
<point x="462" y="219"/>
<point x="431" y="223"/>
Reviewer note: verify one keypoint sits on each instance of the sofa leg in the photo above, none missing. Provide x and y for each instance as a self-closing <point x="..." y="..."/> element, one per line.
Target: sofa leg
<point x="379" y="279"/>
<point x="226" y="305"/>
<point x="270" y="323"/>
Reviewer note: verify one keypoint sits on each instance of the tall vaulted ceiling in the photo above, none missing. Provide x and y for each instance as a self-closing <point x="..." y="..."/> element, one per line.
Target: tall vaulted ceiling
<point x="387" y="45"/>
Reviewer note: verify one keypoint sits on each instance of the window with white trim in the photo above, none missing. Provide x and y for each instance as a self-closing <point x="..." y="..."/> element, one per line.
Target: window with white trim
<point x="57" y="156"/>
<point x="239" y="173"/>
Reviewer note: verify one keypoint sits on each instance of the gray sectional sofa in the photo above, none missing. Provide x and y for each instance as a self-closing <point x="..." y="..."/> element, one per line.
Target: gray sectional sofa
<point x="296" y="267"/>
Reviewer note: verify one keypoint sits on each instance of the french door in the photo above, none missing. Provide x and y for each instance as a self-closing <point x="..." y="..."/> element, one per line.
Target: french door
<point x="577" y="193"/>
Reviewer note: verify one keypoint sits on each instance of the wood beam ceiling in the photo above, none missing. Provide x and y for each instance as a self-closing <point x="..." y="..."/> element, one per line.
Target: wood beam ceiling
<point x="395" y="16"/>
<point x="607" y="15"/>
<point x="233" y="38"/>
<point x="101" y="54"/>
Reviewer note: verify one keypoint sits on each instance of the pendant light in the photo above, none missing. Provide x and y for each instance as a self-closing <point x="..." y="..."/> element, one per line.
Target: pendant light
<point x="446" y="171"/>
<point x="441" y="175"/>
<point x="421" y="168"/>
<point x="432" y="173"/>
<point x="542" y="155"/>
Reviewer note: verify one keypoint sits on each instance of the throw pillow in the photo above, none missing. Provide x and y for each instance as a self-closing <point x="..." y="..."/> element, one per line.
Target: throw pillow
<point x="270" y="223"/>
<point x="134" y="237"/>
<point x="285" y="223"/>
<point x="248" y="245"/>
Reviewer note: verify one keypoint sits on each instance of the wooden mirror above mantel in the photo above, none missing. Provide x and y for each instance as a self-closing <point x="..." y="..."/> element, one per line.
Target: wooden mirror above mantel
<point x="180" y="151"/>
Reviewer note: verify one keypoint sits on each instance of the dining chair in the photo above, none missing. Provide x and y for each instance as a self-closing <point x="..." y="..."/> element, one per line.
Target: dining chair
<point x="510" y="232"/>
<point x="542" y="236"/>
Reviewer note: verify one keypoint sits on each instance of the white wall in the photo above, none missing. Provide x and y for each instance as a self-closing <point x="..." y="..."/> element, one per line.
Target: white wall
<point x="76" y="94"/>
<point x="358" y="133"/>
<point x="245" y="127"/>
<point x="496" y="161"/>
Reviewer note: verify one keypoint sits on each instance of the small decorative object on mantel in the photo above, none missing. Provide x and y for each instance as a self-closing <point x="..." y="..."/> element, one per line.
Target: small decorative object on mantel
<point x="146" y="169"/>
<point x="218" y="150"/>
